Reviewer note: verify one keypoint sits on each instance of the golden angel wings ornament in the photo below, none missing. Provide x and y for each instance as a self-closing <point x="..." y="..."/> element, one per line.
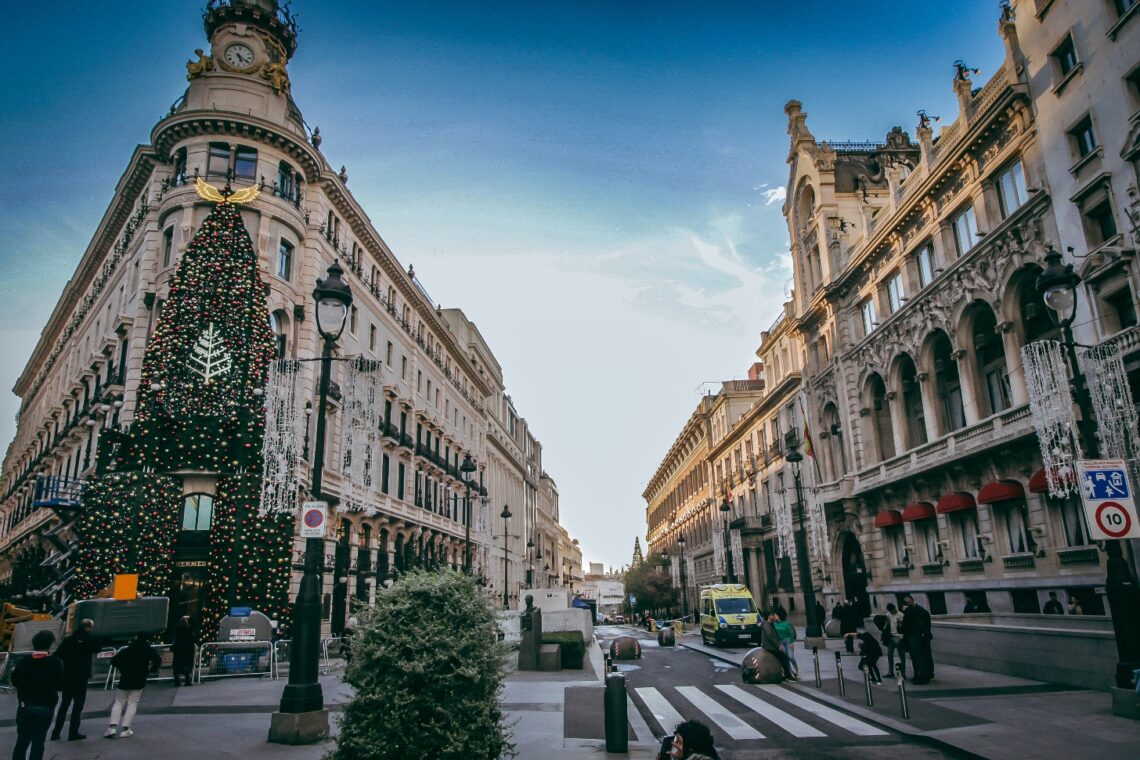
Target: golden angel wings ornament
<point x="211" y="193"/>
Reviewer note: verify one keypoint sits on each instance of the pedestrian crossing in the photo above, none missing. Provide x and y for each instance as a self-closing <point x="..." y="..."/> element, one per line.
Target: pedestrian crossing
<point x="747" y="712"/>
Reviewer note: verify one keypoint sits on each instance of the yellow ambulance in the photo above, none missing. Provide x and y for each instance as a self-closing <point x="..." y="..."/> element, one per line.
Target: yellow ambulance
<point x="729" y="615"/>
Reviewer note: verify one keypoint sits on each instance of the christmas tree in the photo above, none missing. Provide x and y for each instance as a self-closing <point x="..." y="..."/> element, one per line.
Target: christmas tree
<point x="200" y="409"/>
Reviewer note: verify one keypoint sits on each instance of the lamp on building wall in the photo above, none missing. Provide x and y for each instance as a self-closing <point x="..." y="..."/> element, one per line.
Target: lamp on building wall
<point x="302" y="718"/>
<point x="467" y="468"/>
<point x="812" y="627"/>
<point x="1057" y="285"/>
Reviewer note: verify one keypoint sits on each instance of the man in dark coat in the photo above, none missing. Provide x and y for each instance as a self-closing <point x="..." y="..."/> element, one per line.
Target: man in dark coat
<point x="183" y="650"/>
<point x="916" y="633"/>
<point x="849" y="622"/>
<point x="38" y="679"/>
<point x="75" y="653"/>
<point x="770" y="642"/>
<point x="1053" y="606"/>
<point x="135" y="662"/>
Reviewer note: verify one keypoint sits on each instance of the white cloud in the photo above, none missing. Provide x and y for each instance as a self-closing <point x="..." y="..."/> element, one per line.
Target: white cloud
<point x="775" y="195"/>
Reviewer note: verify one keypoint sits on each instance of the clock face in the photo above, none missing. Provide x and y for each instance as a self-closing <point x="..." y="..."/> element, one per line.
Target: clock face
<point x="239" y="56"/>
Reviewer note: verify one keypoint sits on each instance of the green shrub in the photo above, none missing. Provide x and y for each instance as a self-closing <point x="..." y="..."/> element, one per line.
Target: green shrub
<point x="427" y="667"/>
<point x="573" y="647"/>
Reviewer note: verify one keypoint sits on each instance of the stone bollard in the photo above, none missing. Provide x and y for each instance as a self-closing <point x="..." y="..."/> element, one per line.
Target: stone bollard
<point x="839" y="674"/>
<point x="616" y="714"/>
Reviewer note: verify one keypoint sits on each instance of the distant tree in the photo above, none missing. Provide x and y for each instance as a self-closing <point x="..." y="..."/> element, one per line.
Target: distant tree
<point x="637" y="556"/>
<point x="651" y="586"/>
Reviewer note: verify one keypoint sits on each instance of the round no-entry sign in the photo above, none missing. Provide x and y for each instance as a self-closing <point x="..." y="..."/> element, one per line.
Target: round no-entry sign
<point x="313" y="516"/>
<point x="1113" y="519"/>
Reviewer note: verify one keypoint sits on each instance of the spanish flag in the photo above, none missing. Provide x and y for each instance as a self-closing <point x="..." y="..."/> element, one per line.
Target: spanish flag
<point x="808" y="448"/>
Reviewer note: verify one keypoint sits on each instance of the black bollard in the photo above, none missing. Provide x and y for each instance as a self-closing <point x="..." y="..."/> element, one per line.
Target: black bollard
<point x="839" y="674"/>
<point x="616" y="716"/>
<point x="815" y="658"/>
<point x="902" y="692"/>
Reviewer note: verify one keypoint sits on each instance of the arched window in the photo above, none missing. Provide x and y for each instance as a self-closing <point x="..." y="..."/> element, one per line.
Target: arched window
<point x="949" y="384"/>
<point x="197" y="512"/>
<point x="805" y="208"/>
<point x="912" y="402"/>
<point x="277" y="323"/>
<point x="879" y="416"/>
<point x="989" y="353"/>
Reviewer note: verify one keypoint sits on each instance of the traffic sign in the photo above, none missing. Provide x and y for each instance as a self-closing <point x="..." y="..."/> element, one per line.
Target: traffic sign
<point x="313" y="517"/>
<point x="1107" y="498"/>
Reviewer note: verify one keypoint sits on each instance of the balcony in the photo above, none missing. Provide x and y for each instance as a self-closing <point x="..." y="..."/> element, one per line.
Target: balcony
<point x="900" y="571"/>
<point x="932" y="568"/>
<point x="1023" y="561"/>
<point x="1079" y="555"/>
<point x="971" y="565"/>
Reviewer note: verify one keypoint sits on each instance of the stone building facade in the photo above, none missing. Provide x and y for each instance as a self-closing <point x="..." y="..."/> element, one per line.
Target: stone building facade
<point x="443" y="390"/>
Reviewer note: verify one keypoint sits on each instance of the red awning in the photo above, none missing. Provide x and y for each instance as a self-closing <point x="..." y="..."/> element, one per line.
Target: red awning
<point x="887" y="518"/>
<point x="919" y="510"/>
<point x="1001" y="490"/>
<point x="955" y="501"/>
<point x="1039" y="483"/>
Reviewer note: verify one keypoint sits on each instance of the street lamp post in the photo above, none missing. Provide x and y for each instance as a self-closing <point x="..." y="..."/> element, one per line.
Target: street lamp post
<point x="467" y="468"/>
<point x="684" y="584"/>
<point x="812" y="627"/>
<point x="1057" y="285"/>
<point x="725" y="508"/>
<point x="302" y="718"/>
<point x="506" y="515"/>
<point x="530" y="559"/>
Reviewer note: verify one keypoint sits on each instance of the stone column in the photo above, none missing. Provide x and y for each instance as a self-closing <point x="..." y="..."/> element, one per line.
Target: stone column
<point x="898" y="421"/>
<point x="969" y="381"/>
<point x="932" y="410"/>
<point x="1010" y="343"/>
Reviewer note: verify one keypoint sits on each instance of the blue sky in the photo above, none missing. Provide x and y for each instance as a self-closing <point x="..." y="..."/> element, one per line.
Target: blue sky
<point x="597" y="184"/>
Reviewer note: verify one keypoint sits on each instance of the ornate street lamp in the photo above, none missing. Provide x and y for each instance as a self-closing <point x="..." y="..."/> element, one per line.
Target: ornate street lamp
<point x="1057" y="285"/>
<point x="812" y="628"/>
<point x="530" y="559"/>
<point x="467" y="468"/>
<point x="725" y="509"/>
<point x="302" y="718"/>
<point x="506" y="515"/>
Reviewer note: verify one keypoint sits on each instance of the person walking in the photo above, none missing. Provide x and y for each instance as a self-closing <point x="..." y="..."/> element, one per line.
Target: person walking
<point x="869" y="654"/>
<point x="135" y="663"/>
<point x="892" y="639"/>
<point x="692" y="740"/>
<point x="770" y="642"/>
<point x="38" y="680"/>
<point x="75" y="653"/>
<point x="916" y="634"/>
<point x="787" y="633"/>
<point x="1053" y="606"/>
<point x="778" y="608"/>
<point x="183" y="650"/>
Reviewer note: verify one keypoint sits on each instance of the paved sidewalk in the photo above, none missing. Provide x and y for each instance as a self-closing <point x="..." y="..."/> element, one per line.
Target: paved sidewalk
<point x="986" y="714"/>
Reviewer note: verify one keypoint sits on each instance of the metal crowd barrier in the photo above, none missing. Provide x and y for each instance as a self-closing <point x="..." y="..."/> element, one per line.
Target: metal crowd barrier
<point x="101" y="667"/>
<point x="6" y="664"/>
<point x="222" y="659"/>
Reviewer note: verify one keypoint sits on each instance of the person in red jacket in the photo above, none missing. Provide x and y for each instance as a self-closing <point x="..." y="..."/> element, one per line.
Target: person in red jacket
<point x="37" y="679"/>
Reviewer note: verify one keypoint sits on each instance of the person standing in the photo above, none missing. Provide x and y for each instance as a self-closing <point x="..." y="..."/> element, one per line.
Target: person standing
<point x="135" y="663"/>
<point x="182" y="648"/>
<point x="770" y="642"/>
<point x="37" y="679"/>
<point x="779" y="608"/>
<point x="892" y="638"/>
<point x="1075" y="605"/>
<point x="787" y="633"/>
<point x="849" y="621"/>
<point x="1053" y="606"/>
<point x="916" y="634"/>
<point x="820" y="614"/>
<point x="75" y="655"/>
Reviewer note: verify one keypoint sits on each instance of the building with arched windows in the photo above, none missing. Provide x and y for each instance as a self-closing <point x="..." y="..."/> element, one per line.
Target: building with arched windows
<point x="443" y="390"/>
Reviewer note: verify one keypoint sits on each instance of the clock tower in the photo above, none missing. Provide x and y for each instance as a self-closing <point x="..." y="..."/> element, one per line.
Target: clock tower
<point x="251" y="43"/>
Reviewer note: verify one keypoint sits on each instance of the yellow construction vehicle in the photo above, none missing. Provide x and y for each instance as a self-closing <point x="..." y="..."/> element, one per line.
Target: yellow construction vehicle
<point x="10" y="615"/>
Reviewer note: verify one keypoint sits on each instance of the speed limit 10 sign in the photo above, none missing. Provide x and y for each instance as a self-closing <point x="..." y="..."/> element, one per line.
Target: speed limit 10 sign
<point x="1107" y="497"/>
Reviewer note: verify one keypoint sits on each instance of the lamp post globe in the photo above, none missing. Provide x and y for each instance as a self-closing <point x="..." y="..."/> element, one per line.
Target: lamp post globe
<point x="812" y="627"/>
<point x="334" y="298"/>
<point x="467" y="468"/>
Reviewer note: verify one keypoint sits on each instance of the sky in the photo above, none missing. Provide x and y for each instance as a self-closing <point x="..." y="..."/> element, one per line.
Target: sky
<point x="597" y="184"/>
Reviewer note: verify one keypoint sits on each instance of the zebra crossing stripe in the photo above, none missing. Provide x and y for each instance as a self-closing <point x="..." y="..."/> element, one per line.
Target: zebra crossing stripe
<point x="831" y="716"/>
<point x="789" y="723"/>
<point x="640" y="727"/>
<point x="721" y="716"/>
<point x="666" y="716"/>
